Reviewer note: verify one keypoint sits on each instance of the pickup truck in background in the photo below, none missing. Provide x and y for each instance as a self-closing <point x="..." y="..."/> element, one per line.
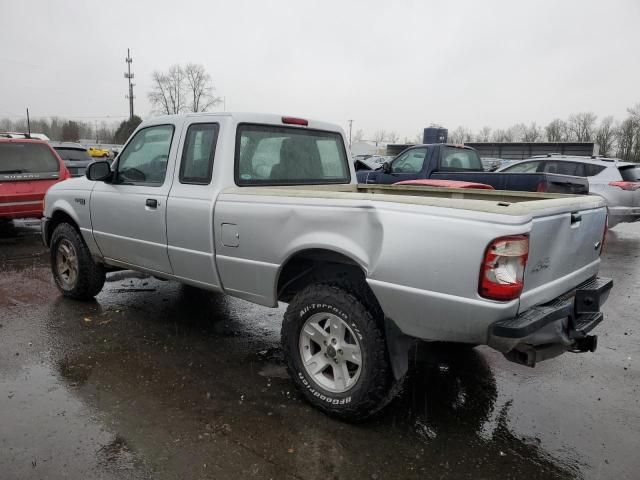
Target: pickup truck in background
<point x="266" y="208"/>
<point x="456" y="162"/>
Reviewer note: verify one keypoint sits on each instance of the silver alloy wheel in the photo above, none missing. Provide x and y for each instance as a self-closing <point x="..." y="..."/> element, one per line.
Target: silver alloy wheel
<point x="67" y="264"/>
<point x="330" y="352"/>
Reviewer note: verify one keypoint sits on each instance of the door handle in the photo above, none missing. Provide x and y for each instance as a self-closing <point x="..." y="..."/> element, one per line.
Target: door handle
<point x="152" y="203"/>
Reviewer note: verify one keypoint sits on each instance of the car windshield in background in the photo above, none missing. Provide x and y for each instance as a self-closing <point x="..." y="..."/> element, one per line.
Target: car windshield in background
<point x="73" y="154"/>
<point x="26" y="158"/>
<point x="267" y="155"/>
<point x="630" y="173"/>
<point x="460" y="159"/>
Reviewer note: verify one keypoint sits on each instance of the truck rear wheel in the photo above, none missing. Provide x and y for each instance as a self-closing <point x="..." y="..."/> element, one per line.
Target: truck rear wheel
<point x="336" y="352"/>
<point x="74" y="271"/>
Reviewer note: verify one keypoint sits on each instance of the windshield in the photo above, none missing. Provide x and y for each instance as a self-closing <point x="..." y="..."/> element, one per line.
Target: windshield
<point x="454" y="158"/>
<point x="73" y="154"/>
<point x="271" y="155"/>
<point x="630" y="173"/>
<point x="17" y="158"/>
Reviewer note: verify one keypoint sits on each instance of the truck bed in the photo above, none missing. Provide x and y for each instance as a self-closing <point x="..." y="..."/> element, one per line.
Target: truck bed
<point x="488" y="201"/>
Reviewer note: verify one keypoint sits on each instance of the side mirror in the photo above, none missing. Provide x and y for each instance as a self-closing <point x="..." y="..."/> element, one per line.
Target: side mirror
<point x="99" y="171"/>
<point x="386" y="167"/>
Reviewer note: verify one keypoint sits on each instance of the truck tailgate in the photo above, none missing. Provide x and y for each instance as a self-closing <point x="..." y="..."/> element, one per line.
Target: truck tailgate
<point x="564" y="250"/>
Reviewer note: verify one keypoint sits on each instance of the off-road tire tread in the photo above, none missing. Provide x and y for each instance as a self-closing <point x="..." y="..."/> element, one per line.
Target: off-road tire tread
<point x="91" y="275"/>
<point x="380" y="386"/>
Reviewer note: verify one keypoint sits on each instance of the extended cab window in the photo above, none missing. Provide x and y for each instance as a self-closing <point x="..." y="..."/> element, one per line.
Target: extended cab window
<point x="198" y="152"/>
<point x="144" y="159"/>
<point x="272" y="155"/>
<point x="454" y="158"/>
<point x="410" y="161"/>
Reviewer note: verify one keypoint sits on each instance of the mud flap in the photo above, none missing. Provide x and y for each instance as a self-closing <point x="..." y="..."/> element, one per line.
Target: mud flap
<point x="398" y="346"/>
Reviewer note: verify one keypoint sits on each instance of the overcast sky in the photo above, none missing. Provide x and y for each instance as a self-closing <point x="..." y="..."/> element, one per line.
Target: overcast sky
<point x="397" y="65"/>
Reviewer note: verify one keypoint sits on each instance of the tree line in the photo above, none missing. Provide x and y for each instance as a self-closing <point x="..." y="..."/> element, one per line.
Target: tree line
<point x="620" y="139"/>
<point x="65" y="130"/>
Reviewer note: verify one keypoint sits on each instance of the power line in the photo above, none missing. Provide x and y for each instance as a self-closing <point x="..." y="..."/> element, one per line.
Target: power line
<point x="128" y="75"/>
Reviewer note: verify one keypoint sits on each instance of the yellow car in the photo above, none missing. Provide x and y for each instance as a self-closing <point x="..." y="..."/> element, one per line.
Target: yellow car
<point x="98" y="152"/>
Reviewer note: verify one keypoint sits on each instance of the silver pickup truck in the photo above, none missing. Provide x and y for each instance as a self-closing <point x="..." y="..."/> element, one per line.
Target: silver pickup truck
<point x="266" y="208"/>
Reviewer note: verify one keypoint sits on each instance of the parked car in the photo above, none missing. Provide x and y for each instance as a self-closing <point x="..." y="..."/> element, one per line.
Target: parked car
<point x="266" y="208"/>
<point x="456" y="162"/>
<point x="28" y="168"/>
<point x="75" y="157"/>
<point x="98" y="152"/>
<point x="616" y="181"/>
<point x="37" y="136"/>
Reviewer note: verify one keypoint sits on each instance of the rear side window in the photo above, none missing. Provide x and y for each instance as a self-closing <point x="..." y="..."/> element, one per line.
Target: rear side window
<point x="26" y="158"/>
<point x="460" y="159"/>
<point x="630" y="173"/>
<point x="198" y="152"/>
<point x="271" y="155"/>
<point x="592" y="170"/>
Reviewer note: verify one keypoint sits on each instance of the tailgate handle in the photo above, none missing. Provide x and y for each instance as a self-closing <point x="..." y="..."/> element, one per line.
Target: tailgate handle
<point x="575" y="218"/>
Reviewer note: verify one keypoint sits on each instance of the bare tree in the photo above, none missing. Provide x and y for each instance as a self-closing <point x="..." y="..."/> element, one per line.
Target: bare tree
<point x="160" y="96"/>
<point x="517" y="132"/>
<point x="460" y="135"/>
<point x="392" y="137"/>
<point x="626" y="136"/>
<point x="379" y="136"/>
<point x="200" y="88"/>
<point x="532" y="133"/>
<point x="484" y="135"/>
<point x="182" y="89"/>
<point x="557" y="131"/>
<point x="358" y="136"/>
<point x="501" y="135"/>
<point x="582" y="126"/>
<point x="605" y="136"/>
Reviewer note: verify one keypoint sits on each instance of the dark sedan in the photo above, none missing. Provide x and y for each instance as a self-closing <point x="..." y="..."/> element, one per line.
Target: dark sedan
<point x="75" y="157"/>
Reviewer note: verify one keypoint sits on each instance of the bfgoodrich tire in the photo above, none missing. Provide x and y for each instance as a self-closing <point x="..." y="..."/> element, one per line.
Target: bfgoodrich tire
<point x="336" y="352"/>
<point x="74" y="271"/>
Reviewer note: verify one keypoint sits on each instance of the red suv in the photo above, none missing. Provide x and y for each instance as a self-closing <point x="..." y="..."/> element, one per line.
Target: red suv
<point x="28" y="168"/>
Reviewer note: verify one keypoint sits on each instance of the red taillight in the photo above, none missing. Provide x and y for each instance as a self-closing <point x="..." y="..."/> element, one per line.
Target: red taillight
<point x="604" y="234"/>
<point x="626" y="185"/>
<point x="542" y="187"/>
<point x="295" y="121"/>
<point x="502" y="270"/>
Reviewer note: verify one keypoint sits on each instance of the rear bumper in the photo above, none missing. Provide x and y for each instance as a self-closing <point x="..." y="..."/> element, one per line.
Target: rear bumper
<point x="22" y="210"/>
<point x="624" y="214"/>
<point x="548" y="330"/>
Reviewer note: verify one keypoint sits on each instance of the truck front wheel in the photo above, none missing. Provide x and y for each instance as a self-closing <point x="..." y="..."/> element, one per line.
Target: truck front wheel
<point x="74" y="271"/>
<point x="336" y="352"/>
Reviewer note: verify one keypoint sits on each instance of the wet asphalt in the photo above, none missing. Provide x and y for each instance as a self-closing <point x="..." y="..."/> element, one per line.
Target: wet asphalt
<point x="154" y="380"/>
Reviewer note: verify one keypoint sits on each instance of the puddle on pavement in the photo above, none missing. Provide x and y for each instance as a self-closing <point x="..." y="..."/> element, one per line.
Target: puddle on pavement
<point x="194" y="384"/>
<point x="47" y="432"/>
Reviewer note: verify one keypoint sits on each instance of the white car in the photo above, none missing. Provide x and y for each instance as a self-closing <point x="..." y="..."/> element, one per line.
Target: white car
<point x="616" y="181"/>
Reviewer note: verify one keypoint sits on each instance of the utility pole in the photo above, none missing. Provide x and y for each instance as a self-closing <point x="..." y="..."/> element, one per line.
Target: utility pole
<point x="128" y="75"/>
<point x="96" y="131"/>
<point x="350" y="126"/>
<point x="28" y="125"/>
